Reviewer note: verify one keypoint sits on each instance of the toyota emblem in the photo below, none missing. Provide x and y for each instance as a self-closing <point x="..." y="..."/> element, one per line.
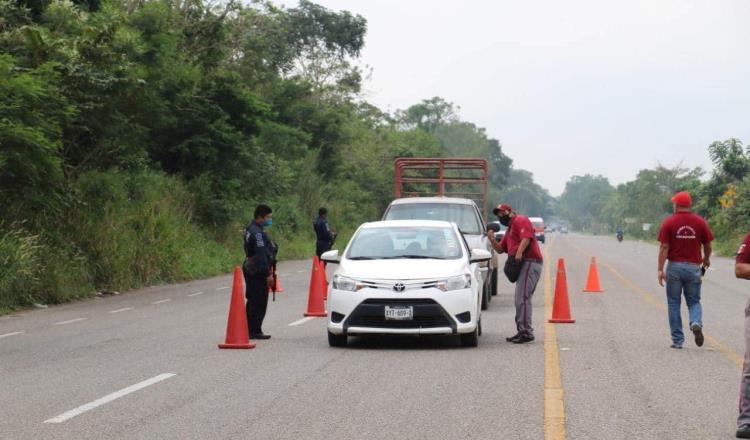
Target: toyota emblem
<point x="399" y="287"/>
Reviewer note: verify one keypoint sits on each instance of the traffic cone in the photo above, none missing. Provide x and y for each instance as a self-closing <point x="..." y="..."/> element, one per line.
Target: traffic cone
<point x="237" y="331"/>
<point x="561" y="305"/>
<point x="315" y="305"/>
<point x="592" y="284"/>
<point x="279" y="289"/>
<point x="323" y="279"/>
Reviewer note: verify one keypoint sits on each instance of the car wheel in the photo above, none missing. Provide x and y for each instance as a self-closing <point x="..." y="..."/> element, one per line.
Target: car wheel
<point x="485" y="301"/>
<point x="480" y="327"/>
<point x="470" y="339"/>
<point x="337" y="340"/>
<point x="493" y="288"/>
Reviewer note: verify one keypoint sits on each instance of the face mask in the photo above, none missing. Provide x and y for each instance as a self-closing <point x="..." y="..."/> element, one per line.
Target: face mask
<point x="504" y="219"/>
<point x="268" y="222"/>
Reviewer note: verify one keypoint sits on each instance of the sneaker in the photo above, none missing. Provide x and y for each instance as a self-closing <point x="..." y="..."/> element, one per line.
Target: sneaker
<point x="743" y="431"/>
<point x="260" y="336"/>
<point x="523" y="339"/>
<point x="698" y="333"/>
<point x="677" y="346"/>
<point x="513" y="338"/>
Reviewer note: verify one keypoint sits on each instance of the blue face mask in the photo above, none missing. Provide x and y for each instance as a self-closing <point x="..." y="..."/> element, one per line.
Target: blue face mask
<point x="268" y="223"/>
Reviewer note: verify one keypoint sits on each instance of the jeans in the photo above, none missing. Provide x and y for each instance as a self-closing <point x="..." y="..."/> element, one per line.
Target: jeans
<point x="683" y="278"/>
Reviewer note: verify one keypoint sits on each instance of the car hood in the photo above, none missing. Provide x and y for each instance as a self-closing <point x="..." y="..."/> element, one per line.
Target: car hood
<point x="401" y="269"/>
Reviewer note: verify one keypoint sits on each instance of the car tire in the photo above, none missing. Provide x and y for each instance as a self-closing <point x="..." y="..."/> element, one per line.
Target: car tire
<point x="485" y="300"/>
<point x="493" y="280"/>
<point x="470" y="339"/>
<point x="337" y="340"/>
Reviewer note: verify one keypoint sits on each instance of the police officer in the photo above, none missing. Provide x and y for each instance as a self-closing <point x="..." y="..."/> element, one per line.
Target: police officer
<point x="260" y="253"/>
<point x="325" y="236"/>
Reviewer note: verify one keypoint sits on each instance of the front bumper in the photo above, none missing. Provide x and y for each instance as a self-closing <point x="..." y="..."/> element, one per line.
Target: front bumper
<point x="440" y="313"/>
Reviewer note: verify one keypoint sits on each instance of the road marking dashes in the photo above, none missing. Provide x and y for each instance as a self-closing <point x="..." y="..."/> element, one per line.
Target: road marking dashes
<point x="124" y="309"/>
<point x="108" y="398"/>
<point x="222" y="288"/>
<point x="70" y="321"/>
<point x="196" y="294"/>
<point x="301" y="321"/>
<point x="161" y="301"/>
<point x="10" y="334"/>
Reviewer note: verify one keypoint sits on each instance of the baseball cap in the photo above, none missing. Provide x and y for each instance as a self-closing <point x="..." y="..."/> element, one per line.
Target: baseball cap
<point x="683" y="198"/>
<point x="502" y="207"/>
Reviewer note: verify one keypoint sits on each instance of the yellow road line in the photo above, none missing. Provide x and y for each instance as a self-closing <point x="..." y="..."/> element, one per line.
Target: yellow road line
<point x="654" y="301"/>
<point x="554" y="402"/>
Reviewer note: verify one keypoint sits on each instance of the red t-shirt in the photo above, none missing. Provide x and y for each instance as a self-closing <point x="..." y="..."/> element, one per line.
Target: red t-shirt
<point x="684" y="233"/>
<point x="743" y="255"/>
<point x="520" y="227"/>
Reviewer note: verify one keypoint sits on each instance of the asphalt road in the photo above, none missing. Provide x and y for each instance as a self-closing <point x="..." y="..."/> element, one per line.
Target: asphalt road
<point x="148" y="365"/>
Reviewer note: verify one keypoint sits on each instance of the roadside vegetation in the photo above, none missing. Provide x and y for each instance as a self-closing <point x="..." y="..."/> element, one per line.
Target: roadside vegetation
<point x="136" y="137"/>
<point x="591" y="204"/>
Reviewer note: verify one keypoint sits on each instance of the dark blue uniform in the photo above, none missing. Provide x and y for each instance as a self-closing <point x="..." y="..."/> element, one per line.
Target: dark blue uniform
<point x="260" y="253"/>
<point x="324" y="236"/>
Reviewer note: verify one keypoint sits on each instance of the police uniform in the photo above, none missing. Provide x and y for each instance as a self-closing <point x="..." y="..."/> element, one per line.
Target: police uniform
<point x="260" y="253"/>
<point x="324" y="236"/>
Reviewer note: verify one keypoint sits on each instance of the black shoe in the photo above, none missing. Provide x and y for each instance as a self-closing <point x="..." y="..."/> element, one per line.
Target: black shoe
<point x="743" y="431"/>
<point x="523" y="339"/>
<point x="260" y="336"/>
<point x="513" y="338"/>
<point x="698" y="333"/>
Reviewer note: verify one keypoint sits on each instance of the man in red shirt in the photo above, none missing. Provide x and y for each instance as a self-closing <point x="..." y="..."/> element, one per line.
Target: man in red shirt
<point x="682" y="235"/>
<point x="742" y="270"/>
<point x="520" y="243"/>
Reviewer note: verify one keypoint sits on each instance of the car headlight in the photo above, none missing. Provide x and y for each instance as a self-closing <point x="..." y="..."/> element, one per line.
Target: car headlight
<point x="455" y="283"/>
<point x="346" y="284"/>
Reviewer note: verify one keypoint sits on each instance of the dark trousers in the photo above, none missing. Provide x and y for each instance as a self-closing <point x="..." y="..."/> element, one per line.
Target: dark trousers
<point x="321" y="247"/>
<point x="256" y="292"/>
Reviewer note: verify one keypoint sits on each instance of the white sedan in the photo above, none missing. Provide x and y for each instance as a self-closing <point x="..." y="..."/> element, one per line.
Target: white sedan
<point x="415" y="277"/>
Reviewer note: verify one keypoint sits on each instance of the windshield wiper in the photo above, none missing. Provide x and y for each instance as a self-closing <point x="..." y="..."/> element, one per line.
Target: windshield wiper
<point x="427" y="257"/>
<point x="362" y="258"/>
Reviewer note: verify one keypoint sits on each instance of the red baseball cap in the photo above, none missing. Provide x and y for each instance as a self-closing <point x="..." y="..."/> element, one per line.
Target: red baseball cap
<point x="683" y="198"/>
<point x="502" y="207"/>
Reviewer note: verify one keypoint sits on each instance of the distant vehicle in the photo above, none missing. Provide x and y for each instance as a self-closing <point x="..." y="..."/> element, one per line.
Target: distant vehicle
<point x="538" y="223"/>
<point x="563" y="229"/>
<point x="406" y="277"/>
<point x="466" y="215"/>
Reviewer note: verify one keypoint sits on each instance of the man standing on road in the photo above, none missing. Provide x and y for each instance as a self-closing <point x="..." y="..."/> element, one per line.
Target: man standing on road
<point x="681" y="236"/>
<point x="520" y="243"/>
<point x="325" y="236"/>
<point x="742" y="270"/>
<point x="259" y="252"/>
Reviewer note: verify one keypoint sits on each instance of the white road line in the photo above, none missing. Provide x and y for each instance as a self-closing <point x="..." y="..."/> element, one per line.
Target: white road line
<point x="70" y="321"/>
<point x="10" y="334"/>
<point x="222" y="288"/>
<point x="108" y="398"/>
<point x="301" y="321"/>
<point x="300" y="271"/>
<point x="196" y="294"/>
<point x="161" y="301"/>
<point x="125" y="309"/>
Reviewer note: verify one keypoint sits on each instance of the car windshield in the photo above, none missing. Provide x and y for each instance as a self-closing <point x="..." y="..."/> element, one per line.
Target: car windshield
<point x="538" y="224"/>
<point x="440" y="243"/>
<point x="465" y="216"/>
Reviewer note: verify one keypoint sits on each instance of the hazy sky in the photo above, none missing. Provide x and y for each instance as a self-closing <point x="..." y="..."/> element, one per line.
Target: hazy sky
<point x="570" y="87"/>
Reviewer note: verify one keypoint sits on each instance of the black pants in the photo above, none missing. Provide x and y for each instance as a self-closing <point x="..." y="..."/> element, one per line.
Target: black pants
<point x="256" y="292"/>
<point x="321" y="247"/>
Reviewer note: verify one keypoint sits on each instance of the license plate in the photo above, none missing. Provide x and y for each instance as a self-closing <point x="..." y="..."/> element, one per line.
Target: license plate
<point x="399" y="312"/>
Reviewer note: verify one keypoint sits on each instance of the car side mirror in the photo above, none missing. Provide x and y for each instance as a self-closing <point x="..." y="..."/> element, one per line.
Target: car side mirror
<point x="493" y="227"/>
<point x="331" y="257"/>
<point x="480" y="256"/>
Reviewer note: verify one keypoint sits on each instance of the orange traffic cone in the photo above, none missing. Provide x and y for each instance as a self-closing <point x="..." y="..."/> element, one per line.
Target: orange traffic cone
<point x="592" y="284"/>
<point x="323" y="279"/>
<point x="561" y="306"/>
<point x="279" y="289"/>
<point x="237" y="331"/>
<point x="315" y="305"/>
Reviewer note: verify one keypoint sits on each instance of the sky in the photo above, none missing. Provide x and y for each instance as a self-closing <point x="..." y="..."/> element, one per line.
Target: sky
<point x="570" y="87"/>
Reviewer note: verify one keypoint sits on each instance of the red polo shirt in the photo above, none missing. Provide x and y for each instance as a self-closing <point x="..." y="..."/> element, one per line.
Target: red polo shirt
<point x="520" y="227"/>
<point x="743" y="255"/>
<point x="684" y="233"/>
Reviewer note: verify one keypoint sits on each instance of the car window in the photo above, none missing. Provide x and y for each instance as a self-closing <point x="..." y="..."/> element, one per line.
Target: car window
<point x="405" y="242"/>
<point x="465" y="216"/>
